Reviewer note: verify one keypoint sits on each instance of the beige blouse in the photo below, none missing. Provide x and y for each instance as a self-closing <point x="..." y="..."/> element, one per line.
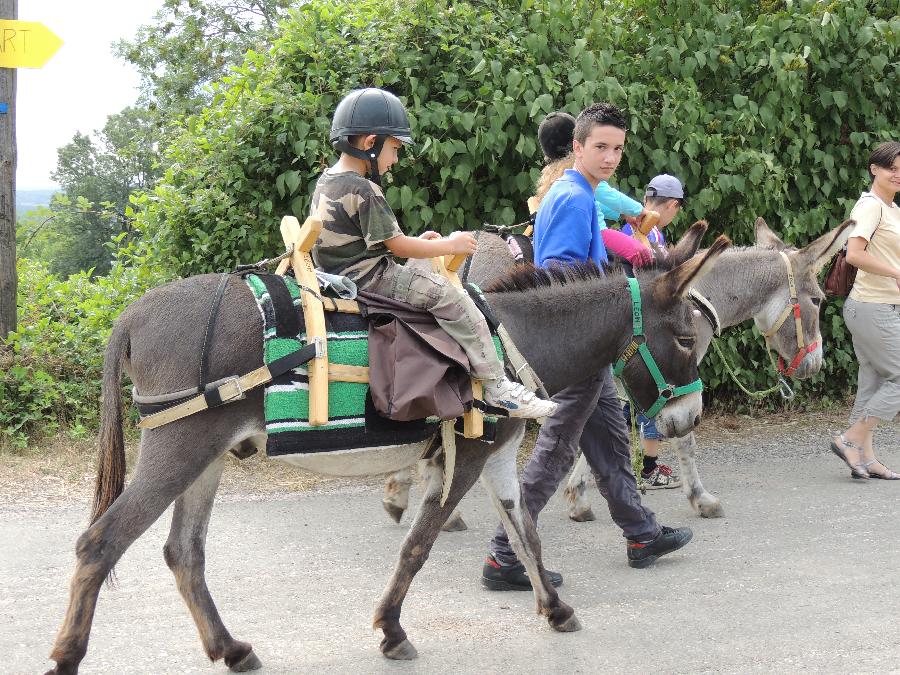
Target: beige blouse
<point x="879" y="224"/>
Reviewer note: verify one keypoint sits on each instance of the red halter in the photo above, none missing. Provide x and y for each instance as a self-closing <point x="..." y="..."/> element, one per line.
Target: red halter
<point x="793" y="306"/>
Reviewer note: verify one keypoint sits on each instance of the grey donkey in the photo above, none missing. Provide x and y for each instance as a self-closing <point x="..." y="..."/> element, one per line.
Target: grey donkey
<point x="747" y="283"/>
<point x="158" y="338"/>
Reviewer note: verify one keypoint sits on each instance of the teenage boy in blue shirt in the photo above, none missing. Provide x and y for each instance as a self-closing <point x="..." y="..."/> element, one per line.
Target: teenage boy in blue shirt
<point x="566" y="231"/>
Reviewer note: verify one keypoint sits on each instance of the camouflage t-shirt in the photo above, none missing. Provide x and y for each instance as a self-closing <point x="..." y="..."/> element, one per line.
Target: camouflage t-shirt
<point x="356" y="222"/>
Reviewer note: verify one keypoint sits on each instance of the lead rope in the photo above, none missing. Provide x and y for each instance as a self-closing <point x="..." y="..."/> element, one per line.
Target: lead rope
<point x="781" y="386"/>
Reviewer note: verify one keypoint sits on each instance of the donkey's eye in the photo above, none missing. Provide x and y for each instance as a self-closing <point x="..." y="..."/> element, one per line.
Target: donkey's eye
<point x="686" y="342"/>
<point x="816" y="301"/>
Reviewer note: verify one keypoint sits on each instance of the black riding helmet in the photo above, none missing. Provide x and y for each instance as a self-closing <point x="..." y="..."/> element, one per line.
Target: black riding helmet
<point x="555" y="135"/>
<point x="365" y="112"/>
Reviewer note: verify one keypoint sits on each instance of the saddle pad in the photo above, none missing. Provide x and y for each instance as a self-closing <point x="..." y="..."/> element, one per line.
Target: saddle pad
<point x="353" y="421"/>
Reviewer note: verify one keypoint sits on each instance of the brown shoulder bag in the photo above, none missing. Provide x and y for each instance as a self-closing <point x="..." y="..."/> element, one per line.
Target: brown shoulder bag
<point x="840" y="276"/>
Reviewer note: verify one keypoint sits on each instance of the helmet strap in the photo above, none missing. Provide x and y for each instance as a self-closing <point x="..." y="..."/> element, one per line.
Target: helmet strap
<point x="370" y="155"/>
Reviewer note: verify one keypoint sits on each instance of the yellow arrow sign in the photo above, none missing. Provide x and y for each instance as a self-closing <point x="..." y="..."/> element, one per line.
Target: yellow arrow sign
<point x="26" y="44"/>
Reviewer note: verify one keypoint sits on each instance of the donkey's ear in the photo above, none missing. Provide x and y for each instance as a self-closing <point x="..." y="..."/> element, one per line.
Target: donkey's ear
<point x="673" y="285"/>
<point x="689" y="243"/>
<point x="766" y="238"/>
<point x="823" y="249"/>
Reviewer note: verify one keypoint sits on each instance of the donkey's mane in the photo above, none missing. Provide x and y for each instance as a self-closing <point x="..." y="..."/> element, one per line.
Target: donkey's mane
<point x="528" y="277"/>
<point x="757" y="247"/>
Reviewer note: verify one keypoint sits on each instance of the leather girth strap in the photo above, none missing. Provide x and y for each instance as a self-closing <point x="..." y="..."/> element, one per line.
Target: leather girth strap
<point x="231" y="390"/>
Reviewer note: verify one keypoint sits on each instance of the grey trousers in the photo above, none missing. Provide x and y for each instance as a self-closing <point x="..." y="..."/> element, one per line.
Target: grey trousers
<point x="589" y="415"/>
<point x="452" y="307"/>
<point x="875" y="328"/>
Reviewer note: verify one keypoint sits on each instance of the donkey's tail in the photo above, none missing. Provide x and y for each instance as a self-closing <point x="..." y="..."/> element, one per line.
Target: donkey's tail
<point x="111" y="456"/>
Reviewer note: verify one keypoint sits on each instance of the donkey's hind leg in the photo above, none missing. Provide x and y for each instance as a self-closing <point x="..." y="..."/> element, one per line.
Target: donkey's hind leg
<point x="579" y="506"/>
<point x="185" y="555"/>
<point x="501" y="480"/>
<point x="704" y="503"/>
<point x="416" y="546"/>
<point x="165" y="469"/>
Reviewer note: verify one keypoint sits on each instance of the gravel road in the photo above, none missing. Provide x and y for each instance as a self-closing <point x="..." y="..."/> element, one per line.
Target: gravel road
<point x="800" y="576"/>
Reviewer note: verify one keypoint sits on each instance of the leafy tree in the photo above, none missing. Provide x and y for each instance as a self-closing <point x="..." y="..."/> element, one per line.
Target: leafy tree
<point x="192" y="43"/>
<point x="98" y="175"/>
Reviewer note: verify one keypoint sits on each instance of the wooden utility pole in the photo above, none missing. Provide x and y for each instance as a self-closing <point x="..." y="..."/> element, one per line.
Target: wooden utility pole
<point x="9" y="9"/>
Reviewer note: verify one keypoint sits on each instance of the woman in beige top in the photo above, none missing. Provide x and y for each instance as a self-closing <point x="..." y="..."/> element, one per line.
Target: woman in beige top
<point x="872" y="313"/>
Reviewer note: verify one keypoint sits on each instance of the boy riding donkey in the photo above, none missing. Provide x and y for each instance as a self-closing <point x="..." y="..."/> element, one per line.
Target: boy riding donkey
<point x="360" y="239"/>
<point x="566" y="231"/>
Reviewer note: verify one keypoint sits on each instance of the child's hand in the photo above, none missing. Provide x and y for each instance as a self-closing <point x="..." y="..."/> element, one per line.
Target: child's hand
<point x="635" y="221"/>
<point x="430" y="234"/>
<point x="463" y="243"/>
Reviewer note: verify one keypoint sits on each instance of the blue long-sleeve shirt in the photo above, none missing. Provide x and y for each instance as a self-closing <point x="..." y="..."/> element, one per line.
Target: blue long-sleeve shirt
<point x="611" y="203"/>
<point x="566" y="228"/>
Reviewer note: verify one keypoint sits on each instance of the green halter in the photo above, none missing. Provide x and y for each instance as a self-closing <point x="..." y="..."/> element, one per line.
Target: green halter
<point x="666" y="391"/>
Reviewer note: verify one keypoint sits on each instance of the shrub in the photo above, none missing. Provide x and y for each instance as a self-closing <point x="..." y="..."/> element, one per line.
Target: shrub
<point x="763" y="108"/>
<point x="50" y="369"/>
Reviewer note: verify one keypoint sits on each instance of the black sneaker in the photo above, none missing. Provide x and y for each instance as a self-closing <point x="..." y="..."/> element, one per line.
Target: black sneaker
<point x="499" y="577"/>
<point x="644" y="553"/>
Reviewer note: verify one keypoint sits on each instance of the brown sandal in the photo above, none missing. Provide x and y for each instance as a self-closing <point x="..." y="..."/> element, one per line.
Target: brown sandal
<point x="857" y="471"/>
<point x="890" y="475"/>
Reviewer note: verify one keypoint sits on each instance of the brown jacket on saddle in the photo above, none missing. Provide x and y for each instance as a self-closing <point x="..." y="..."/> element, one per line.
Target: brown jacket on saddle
<point x="416" y="370"/>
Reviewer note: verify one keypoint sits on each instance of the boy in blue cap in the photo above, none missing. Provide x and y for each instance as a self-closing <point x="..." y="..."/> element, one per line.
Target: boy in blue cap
<point x="665" y="195"/>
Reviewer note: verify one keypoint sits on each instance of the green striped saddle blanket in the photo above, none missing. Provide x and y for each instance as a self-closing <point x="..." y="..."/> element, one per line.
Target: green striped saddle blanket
<point x="353" y="421"/>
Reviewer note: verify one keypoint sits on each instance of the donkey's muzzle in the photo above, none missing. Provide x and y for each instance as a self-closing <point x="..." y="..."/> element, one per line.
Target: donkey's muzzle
<point x="680" y="416"/>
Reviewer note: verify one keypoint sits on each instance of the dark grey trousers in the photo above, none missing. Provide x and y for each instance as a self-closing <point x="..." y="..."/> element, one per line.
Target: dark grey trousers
<point x="589" y="415"/>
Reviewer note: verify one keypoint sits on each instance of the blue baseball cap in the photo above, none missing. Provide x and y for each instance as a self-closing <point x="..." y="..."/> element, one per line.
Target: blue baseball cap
<point x="665" y="185"/>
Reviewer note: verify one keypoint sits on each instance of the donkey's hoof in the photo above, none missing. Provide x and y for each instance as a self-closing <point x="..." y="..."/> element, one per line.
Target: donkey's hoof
<point x="583" y="516"/>
<point x="393" y="511"/>
<point x="712" y="509"/>
<point x="63" y="669"/>
<point x="402" y="652"/>
<point x="455" y="524"/>
<point x="570" y="625"/>
<point x="246" y="664"/>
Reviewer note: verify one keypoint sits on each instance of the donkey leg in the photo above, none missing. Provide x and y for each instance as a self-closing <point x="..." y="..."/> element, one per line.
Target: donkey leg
<point x="454" y="522"/>
<point x="703" y="502"/>
<point x="423" y="532"/>
<point x="185" y="555"/>
<point x="501" y="481"/>
<point x="578" y="503"/>
<point x="396" y="493"/>
<point x="156" y="483"/>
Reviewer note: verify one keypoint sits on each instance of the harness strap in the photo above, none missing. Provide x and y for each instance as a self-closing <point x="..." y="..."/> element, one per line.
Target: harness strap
<point x="232" y="389"/>
<point x="793" y="307"/>
<point x="637" y="317"/>
<point x="467" y="265"/>
<point x="448" y="443"/>
<point x="707" y="310"/>
<point x="639" y="347"/>
<point x="210" y="324"/>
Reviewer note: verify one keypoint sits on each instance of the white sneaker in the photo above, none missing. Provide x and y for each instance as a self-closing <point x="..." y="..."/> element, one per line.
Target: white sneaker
<point x="516" y="399"/>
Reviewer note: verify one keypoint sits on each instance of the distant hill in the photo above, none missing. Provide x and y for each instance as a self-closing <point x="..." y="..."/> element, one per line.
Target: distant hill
<point x="26" y="200"/>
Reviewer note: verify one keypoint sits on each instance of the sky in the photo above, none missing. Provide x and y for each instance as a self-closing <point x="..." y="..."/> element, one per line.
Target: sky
<point x="80" y="85"/>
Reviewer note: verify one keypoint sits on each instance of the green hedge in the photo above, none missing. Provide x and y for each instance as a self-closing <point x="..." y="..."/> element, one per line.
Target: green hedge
<point x="763" y="108"/>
